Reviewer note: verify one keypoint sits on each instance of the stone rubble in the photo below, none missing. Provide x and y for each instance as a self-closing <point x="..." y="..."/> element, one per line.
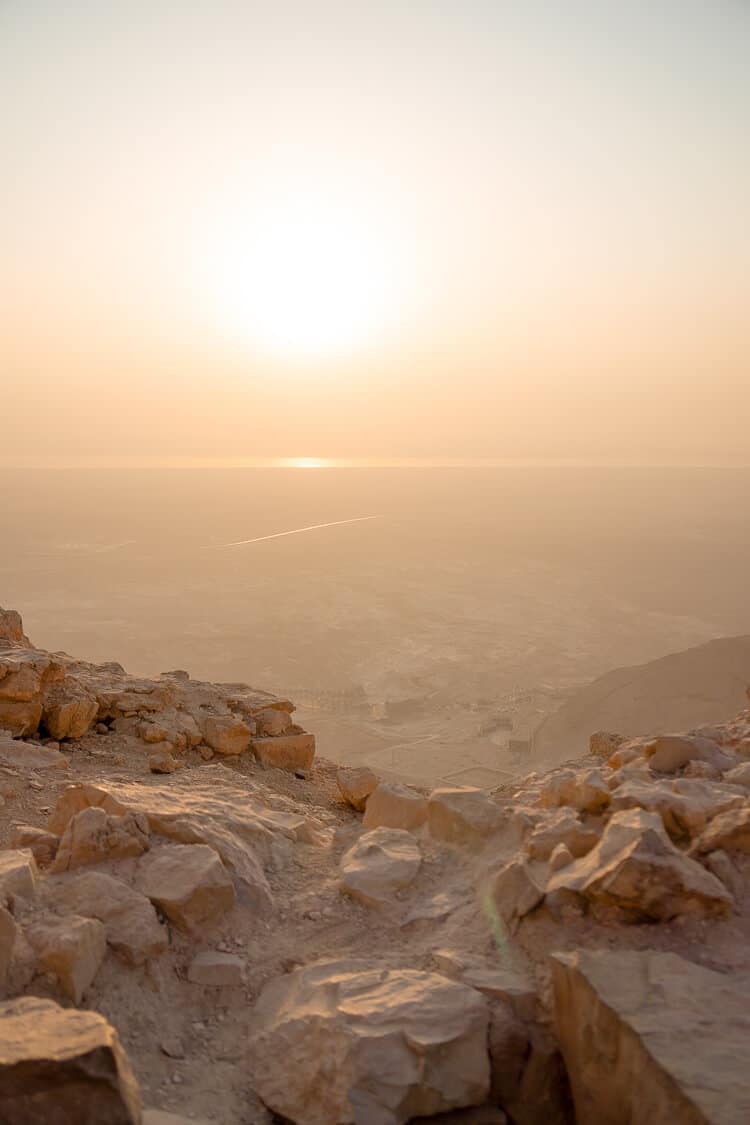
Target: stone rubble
<point x="271" y="935"/>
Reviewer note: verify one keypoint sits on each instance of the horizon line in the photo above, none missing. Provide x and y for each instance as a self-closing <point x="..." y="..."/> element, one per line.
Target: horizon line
<point x="320" y="463"/>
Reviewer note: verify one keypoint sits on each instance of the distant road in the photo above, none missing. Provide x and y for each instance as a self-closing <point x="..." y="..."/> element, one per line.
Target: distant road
<point x="280" y="534"/>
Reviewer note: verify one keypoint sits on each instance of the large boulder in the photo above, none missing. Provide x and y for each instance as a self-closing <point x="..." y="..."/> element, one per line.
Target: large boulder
<point x="72" y="948"/>
<point x="18" y="875"/>
<point x="729" y="831"/>
<point x="670" y="752"/>
<point x="515" y="892"/>
<point x="69" y="713"/>
<point x="25" y="756"/>
<point x="685" y="805"/>
<point x="393" y="805"/>
<point x="463" y="816"/>
<point x="226" y="734"/>
<point x="92" y="836"/>
<point x="335" y="1043"/>
<point x="11" y="627"/>
<point x="561" y="827"/>
<point x="287" y="752"/>
<point x="188" y="883"/>
<point x="355" y="784"/>
<point x="63" y="1067"/>
<point x="637" y="874"/>
<point x="381" y="862"/>
<point x="650" y="1037"/>
<point x="133" y="929"/>
<point x="585" y="790"/>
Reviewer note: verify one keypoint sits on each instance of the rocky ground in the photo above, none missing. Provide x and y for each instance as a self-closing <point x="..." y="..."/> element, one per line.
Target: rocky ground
<point x="199" y="917"/>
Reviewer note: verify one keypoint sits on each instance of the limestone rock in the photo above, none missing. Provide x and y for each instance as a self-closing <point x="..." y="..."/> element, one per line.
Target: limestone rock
<point x="11" y="627"/>
<point x="43" y="845"/>
<point x="369" y="1046"/>
<point x="219" y="970"/>
<point x="162" y="760"/>
<point x="188" y="883"/>
<point x="356" y="784"/>
<point x="226" y="734"/>
<point x="729" y="831"/>
<point x="562" y="827"/>
<point x="670" y="752"/>
<point x="26" y="756"/>
<point x="72" y="948"/>
<point x="288" y="752"/>
<point x="560" y="856"/>
<point x="652" y="1037"/>
<point x="585" y="790"/>
<point x="740" y="775"/>
<point x="463" y="816"/>
<point x="63" y="1067"/>
<point x="684" y="805"/>
<point x="270" y="723"/>
<point x="69" y="714"/>
<point x="496" y="981"/>
<point x="603" y="743"/>
<point x="638" y="874"/>
<point x="133" y="929"/>
<point x="19" y="717"/>
<point x="393" y="805"/>
<point x="379" y="864"/>
<point x="92" y="836"/>
<point x="515" y="892"/>
<point x="18" y="874"/>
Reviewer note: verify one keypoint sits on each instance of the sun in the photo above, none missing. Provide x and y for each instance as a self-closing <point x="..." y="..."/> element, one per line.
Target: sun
<point x="308" y="278"/>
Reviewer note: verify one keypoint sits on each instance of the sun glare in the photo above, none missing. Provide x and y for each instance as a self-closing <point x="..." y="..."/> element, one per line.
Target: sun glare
<point x="307" y="279"/>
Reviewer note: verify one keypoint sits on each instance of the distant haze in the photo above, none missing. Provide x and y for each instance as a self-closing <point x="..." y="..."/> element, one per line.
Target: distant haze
<point x="435" y="230"/>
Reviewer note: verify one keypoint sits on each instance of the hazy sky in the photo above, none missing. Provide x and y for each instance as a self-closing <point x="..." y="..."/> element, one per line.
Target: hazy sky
<point x="375" y="228"/>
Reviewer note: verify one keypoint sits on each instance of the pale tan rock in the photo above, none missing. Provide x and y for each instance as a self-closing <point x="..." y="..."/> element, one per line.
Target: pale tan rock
<point x="465" y="816"/>
<point x="93" y="836"/>
<point x="333" y="1044"/>
<point x="27" y="756"/>
<point x="603" y="743"/>
<point x="204" y="806"/>
<point x="560" y="857"/>
<point x="563" y="826"/>
<point x="516" y="892"/>
<point x="495" y="981"/>
<point x="270" y="723"/>
<point x="23" y="685"/>
<point x="226" y="734"/>
<point x="393" y="805"/>
<point x="188" y="883"/>
<point x="162" y="761"/>
<point x="20" y="718"/>
<point x="381" y="862"/>
<point x="18" y="875"/>
<point x="730" y="831"/>
<point x="63" y="1067"/>
<point x="637" y="873"/>
<point x="652" y="1037"/>
<point x="72" y="948"/>
<point x="43" y="845"/>
<point x="217" y="970"/>
<point x="356" y="784"/>
<point x="584" y="790"/>
<point x="685" y="805"/>
<point x="288" y="752"/>
<point x="133" y="929"/>
<point x="8" y="934"/>
<point x="69" y="713"/>
<point x="153" y="732"/>
<point x="740" y="775"/>
<point x="670" y="752"/>
<point x="11" y="627"/>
